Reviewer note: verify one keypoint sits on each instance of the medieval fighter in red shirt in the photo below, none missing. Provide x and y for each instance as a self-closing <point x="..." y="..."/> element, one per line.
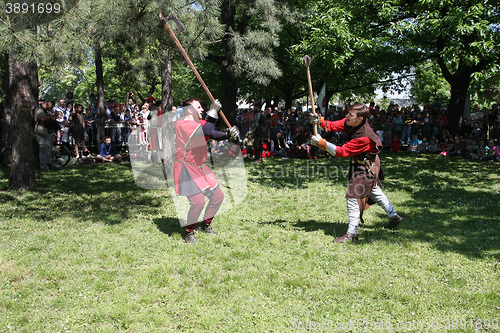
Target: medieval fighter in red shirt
<point x="365" y="172"/>
<point x="193" y="178"/>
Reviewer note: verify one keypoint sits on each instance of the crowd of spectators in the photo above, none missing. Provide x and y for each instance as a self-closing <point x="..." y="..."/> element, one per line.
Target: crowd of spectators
<point x="415" y="129"/>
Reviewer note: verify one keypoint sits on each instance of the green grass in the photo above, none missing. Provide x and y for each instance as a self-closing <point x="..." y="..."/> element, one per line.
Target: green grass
<point x="91" y="251"/>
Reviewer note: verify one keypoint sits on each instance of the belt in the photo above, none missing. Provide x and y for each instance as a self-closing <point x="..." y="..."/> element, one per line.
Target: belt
<point x="186" y="162"/>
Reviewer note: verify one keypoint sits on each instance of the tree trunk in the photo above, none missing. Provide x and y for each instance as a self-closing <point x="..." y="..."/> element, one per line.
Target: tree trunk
<point x="99" y="82"/>
<point x="166" y="83"/>
<point x="5" y="108"/>
<point x="23" y="98"/>
<point x="459" y="86"/>
<point x="227" y="74"/>
<point x="229" y="92"/>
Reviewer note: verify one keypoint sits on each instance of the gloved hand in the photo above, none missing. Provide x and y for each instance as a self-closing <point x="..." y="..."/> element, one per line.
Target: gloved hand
<point x="315" y="118"/>
<point x="234" y="134"/>
<point x="216" y="105"/>
<point x="213" y="112"/>
<point x="318" y="141"/>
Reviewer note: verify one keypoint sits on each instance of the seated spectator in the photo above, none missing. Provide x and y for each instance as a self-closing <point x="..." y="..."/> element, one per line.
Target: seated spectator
<point x="472" y="148"/>
<point x="415" y="144"/>
<point x="279" y="146"/>
<point x="442" y="146"/>
<point x="493" y="152"/>
<point x="266" y="149"/>
<point x="107" y="152"/>
<point x="424" y="146"/>
<point x="482" y="151"/>
<point x="396" y="144"/>
<point x="247" y="147"/>
<point x="433" y="146"/>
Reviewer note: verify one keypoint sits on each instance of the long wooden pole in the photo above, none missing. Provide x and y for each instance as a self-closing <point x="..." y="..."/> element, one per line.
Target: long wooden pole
<point x="307" y="61"/>
<point x="195" y="71"/>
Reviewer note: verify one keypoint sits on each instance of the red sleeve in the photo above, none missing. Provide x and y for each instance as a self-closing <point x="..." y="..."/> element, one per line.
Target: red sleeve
<point x="356" y="147"/>
<point x="333" y="126"/>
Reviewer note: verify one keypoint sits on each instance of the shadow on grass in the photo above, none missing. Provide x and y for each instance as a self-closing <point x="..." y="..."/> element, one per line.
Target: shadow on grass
<point x="451" y="204"/>
<point x="104" y="193"/>
<point x="329" y="228"/>
<point x="168" y="225"/>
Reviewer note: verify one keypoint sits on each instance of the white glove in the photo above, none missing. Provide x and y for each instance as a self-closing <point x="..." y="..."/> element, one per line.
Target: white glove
<point x="318" y="141"/>
<point x="234" y="133"/>
<point x="315" y="139"/>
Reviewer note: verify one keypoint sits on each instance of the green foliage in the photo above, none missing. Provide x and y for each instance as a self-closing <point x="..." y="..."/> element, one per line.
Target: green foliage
<point x="91" y="251"/>
<point x="429" y="83"/>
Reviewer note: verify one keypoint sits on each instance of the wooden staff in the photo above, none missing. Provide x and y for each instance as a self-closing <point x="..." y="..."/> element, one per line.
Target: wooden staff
<point x="190" y="63"/>
<point x="307" y="61"/>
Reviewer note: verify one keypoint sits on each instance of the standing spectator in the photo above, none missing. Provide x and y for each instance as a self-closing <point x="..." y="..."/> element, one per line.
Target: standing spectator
<point x="373" y="111"/>
<point x="397" y="125"/>
<point x="150" y="99"/>
<point x="144" y="119"/>
<point x="477" y="131"/>
<point x="66" y="113"/>
<point x="90" y="127"/>
<point x="44" y="125"/>
<point x="78" y="130"/>
<point x="417" y="124"/>
<point x="70" y="98"/>
<point x="466" y="128"/>
<point x="437" y="106"/>
<point x="259" y="131"/>
<point x="407" y="122"/>
<point x="131" y="101"/>
<point x="126" y="119"/>
<point x="442" y="122"/>
<point x="274" y="119"/>
<point x="427" y="125"/>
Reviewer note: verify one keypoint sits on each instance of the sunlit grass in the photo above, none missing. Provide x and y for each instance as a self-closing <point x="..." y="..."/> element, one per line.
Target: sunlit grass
<point x="91" y="251"/>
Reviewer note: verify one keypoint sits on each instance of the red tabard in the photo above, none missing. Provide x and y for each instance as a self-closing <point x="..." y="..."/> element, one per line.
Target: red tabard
<point x="191" y="175"/>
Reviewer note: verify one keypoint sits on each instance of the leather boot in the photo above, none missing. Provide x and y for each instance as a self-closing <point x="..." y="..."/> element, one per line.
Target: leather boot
<point x="190" y="239"/>
<point x="346" y="238"/>
<point x="394" y="221"/>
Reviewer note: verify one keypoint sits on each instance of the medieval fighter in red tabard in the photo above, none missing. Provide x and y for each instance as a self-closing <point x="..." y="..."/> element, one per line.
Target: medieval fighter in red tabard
<point x="193" y="178"/>
<point x="365" y="172"/>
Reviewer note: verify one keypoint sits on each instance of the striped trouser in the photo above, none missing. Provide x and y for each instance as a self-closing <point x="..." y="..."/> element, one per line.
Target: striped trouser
<point x="353" y="208"/>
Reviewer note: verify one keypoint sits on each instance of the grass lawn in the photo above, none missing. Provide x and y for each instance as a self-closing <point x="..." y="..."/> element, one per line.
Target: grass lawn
<point x="90" y="251"/>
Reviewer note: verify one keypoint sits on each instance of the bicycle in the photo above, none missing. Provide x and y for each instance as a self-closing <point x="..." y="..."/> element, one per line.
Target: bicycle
<point x="60" y="156"/>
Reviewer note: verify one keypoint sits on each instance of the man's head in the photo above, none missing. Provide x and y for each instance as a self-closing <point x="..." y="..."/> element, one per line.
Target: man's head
<point x="107" y="141"/>
<point x="356" y="114"/>
<point x="62" y="102"/>
<point x="193" y="106"/>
